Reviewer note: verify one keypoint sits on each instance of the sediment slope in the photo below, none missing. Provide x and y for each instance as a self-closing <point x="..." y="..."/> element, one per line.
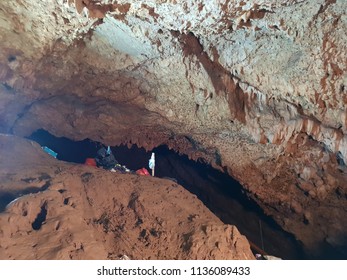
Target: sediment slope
<point x="83" y="212"/>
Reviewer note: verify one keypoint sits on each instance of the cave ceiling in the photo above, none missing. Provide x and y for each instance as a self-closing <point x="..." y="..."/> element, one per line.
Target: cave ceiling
<point x="254" y="88"/>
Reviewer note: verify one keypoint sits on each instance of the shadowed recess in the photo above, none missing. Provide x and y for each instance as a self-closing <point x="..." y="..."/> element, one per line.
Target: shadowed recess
<point x="223" y="195"/>
<point x="40" y="218"/>
<point x="6" y="197"/>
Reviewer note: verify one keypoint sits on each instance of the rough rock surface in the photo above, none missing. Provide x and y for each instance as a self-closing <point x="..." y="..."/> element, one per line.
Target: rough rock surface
<point x="256" y="88"/>
<point x="88" y="213"/>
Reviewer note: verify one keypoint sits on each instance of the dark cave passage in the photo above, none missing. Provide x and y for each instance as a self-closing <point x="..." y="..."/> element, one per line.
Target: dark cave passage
<point x="219" y="192"/>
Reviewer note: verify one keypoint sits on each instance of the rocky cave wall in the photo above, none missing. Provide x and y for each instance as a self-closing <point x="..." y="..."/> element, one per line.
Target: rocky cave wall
<point x="255" y="88"/>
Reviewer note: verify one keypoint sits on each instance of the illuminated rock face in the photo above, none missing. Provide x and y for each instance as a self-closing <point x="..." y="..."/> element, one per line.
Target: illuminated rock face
<point x="257" y="88"/>
<point x="74" y="211"/>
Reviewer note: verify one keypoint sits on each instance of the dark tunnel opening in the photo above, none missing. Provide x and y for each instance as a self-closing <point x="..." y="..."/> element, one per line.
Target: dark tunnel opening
<point x="219" y="192"/>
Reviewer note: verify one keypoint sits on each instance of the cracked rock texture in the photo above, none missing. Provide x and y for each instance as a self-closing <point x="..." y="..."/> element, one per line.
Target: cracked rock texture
<point x="255" y="88"/>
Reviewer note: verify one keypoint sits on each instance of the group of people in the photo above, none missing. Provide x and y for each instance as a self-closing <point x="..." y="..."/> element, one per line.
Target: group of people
<point x="106" y="160"/>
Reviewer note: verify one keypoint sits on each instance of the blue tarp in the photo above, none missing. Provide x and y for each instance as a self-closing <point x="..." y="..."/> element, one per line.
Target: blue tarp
<point x="49" y="151"/>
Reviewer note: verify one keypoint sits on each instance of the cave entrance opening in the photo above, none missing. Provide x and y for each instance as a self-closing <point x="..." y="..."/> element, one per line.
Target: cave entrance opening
<point x="223" y="195"/>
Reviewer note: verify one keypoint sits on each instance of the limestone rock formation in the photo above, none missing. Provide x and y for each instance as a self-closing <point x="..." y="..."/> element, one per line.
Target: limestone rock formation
<point x="255" y="88"/>
<point x="82" y="212"/>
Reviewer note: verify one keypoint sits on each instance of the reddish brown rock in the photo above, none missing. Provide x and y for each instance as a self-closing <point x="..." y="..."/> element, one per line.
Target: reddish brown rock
<point x="255" y="88"/>
<point x="89" y="213"/>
